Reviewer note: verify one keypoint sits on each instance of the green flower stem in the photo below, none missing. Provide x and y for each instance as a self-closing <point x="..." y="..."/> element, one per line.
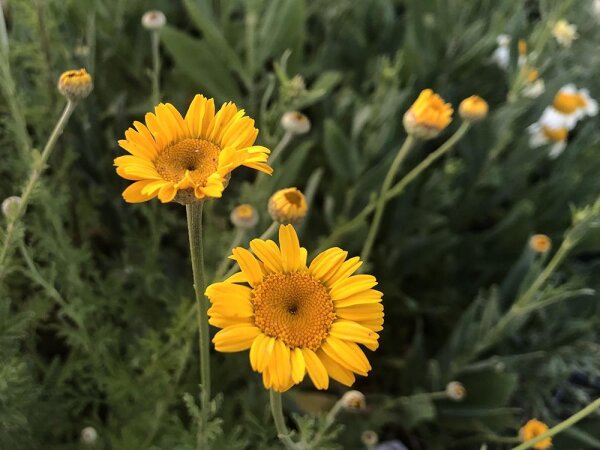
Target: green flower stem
<point x="283" y="143"/>
<point x="565" y="424"/>
<point x="282" y="432"/>
<point x="3" y="33"/>
<point x="194" y="221"/>
<point x="38" y="167"/>
<point x="155" y="42"/>
<point x="269" y="232"/>
<point x="380" y="205"/>
<point x="240" y="233"/>
<point x="399" y="187"/>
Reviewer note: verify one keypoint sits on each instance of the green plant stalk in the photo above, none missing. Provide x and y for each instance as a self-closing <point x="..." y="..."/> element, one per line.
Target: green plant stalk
<point x="155" y="42"/>
<point x="565" y="424"/>
<point x="194" y="221"/>
<point x="240" y="233"/>
<point x="277" y="412"/>
<point x="3" y="34"/>
<point x="519" y="307"/>
<point x="36" y="171"/>
<point x="399" y="187"/>
<point x="380" y="202"/>
<point x="283" y="143"/>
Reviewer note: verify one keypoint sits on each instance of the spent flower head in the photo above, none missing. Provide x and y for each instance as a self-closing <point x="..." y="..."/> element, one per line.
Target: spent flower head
<point x="456" y="391"/>
<point x="75" y="84"/>
<point x="295" y="122"/>
<point x="154" y="20"/>
<point x="354" y="401"/>
<point x="89" y="435"/>
<point x="10" y="205"/>
<point x="369" y="438"/>
<point x="244" y="216"/>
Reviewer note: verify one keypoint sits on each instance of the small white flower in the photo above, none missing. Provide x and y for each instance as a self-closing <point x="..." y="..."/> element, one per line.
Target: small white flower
<point x="535" y="89"/>
<point x="501" y="55"/>
<point x="564" y="33"/>
<point x="295" y="122"/>
<point x="154" y="20"/>
<point x="575" y="104"/>
<point x="89" y="435"/>
<point x="456" y="391"/>
<point x="540" y="134"/>
<point x="591" y="105"/>
<point x="596" y="9"/>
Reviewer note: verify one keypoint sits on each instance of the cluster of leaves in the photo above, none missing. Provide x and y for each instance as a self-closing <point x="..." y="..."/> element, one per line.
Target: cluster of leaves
<point x="95" y="325"/>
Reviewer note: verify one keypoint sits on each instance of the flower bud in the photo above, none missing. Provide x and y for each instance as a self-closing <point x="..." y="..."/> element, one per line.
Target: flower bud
<point x="287" y="206"/>
<point x="295" y="122"/>
<point x="10" y="205"/>
<point x="244" y="216"/>
<point x="369" y="438"/>
<point x="75" y="84"/>
<point x="456" y="391"/>
<point x="89" y="435"/>
<point x="428" y="116"/>
<point x="533" y="428"/>
<point x="354" y="401"/>
<point x="473" y="108"/>
<point x="154" y="20"/>
<point x="540" y="243"/>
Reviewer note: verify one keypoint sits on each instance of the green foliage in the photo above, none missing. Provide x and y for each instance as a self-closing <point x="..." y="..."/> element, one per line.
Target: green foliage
<point x="96" y="320"/>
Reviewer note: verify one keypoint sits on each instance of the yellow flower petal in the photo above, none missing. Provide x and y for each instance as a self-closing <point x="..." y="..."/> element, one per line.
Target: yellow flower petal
<point x="249" y="265"/>
<point x="298" y="365"/>
<point x="236" y="338"/>
<point x="315" y="368"/>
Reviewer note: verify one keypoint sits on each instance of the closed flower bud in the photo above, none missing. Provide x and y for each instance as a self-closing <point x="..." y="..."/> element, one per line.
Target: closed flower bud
<point x="244" y="216"/>
<point x="10" y="205"/>
<point x="287" y="206"/>
<point x="354" y="401"/>
<point x="456" y="391"/>
<point x="154" y="20"/>
<point x="473" y="108"/>
<point x="75" y="84"/>
<point x="533" y="428"/>
<point x="428" y="116"/>
<point x="295" y="122"/>
<point x="89" y="435"/>
<point x="540" y="243"/>
<point x="369" y="438"/>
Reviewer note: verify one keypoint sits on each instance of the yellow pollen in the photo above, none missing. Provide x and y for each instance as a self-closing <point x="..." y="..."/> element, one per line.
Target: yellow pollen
<point x="198" y="156"/>
<point x="568" y="103"/>
<point x="555" y="134"/>
<point x="294" y="307"/>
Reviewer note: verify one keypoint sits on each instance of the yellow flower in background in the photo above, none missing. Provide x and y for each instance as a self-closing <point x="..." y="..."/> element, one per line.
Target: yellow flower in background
<point x="287" y="206"/>
<point x="75" y="84"/>
<point x="534" y="85"/>
<point x="564" y="33"/>
<point x="532" y="429"/>
<point x="540" y="243"/>
<point x="188" y="158"/>
<point x="297" y="319"/>
<point x="428" y="116"/>
<point x="473" y="108"/>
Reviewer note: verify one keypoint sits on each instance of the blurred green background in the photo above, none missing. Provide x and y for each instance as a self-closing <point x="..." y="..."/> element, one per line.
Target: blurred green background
<point x="94" y="323"/>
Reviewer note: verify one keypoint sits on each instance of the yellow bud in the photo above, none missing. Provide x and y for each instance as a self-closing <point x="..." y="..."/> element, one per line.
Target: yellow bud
<point x="75" y="84"/>
<point x="244" y="216"/>
<point x="428" y="116"/>
<point x="540" y="243"/>
<point x="287" y="206"/>
<point x="473" y="108"/>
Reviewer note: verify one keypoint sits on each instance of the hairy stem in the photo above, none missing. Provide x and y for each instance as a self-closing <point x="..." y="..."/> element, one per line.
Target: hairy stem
<point x="277" y="411"/>
<point x="194" y="221"/>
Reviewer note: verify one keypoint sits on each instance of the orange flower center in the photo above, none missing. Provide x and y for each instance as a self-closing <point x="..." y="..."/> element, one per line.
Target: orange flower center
<point x="568" y="103"/>
<point x="555" y="134"/>
<point x="293" y="307"/>
<point x="199" y="157"/>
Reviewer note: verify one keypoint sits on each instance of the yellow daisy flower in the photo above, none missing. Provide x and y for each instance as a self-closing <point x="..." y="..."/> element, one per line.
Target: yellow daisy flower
<point x="294" y="318"/>
<point x="533" y="428"/>
<point x="188" y="158"/>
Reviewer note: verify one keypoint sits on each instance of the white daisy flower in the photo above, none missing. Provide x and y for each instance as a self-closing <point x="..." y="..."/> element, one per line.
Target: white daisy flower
<point x="501" y="55"/>
<point x="534" y="85"/>
<point x="551" y="129"/>
<point x="564" y="33"/>
<point x="574" y="104"/>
